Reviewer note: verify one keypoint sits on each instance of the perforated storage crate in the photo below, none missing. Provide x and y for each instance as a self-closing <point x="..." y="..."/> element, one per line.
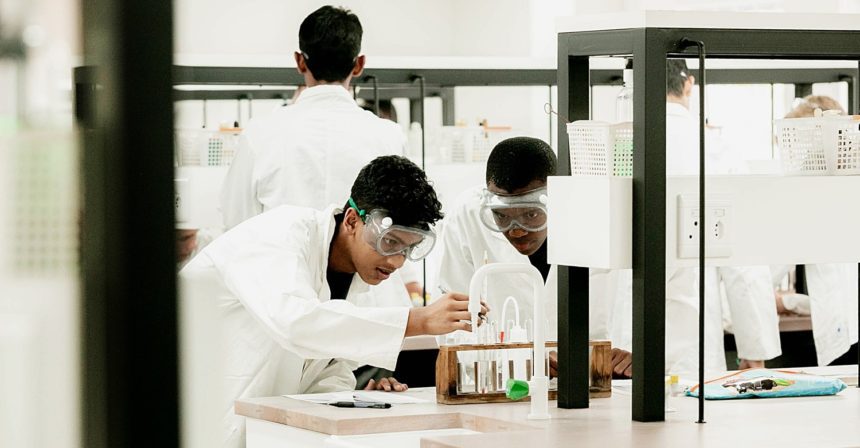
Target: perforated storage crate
<point x="828" y="145"/>
<point x="461" y="144"/>
<point x="599" y="148"/>
<point x="206" y="147"/>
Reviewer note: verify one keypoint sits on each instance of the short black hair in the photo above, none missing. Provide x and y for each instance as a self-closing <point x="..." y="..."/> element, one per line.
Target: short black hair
<point x="676" y="76"/>
<point x="397" y="185"/>
<point x="330" y="39"/>
<point x="516" y="161"/>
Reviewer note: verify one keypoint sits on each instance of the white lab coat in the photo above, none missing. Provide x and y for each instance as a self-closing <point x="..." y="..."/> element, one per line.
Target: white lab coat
<point x="281" y="333"/>
<point x="306" y="154"/>
<point x="465" y="240"/>
<point x="748" y="290"/>
<point x="832" y="292"/>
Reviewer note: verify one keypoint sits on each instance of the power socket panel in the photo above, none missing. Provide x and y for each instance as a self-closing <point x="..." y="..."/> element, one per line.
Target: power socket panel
<point x="718" y="223"/>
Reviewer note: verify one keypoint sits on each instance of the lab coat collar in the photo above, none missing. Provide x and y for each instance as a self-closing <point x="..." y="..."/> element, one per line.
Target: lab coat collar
<point x="323" y="92"/>
<point x="358" y="286"/>
<point x="677" y="110"/>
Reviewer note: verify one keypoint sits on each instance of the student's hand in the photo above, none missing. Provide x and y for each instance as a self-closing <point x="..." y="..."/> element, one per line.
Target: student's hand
<point x="387" y="384"/>
<point x="622" y="363"/>
<point x="750" y="364"/>
<point x="443" y="316"/>
<point x="553" y="364"/>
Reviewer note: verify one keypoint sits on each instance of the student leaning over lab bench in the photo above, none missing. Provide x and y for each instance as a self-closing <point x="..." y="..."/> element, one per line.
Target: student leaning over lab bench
<point x="506" y="222"/>
<point x="276" y="279"/>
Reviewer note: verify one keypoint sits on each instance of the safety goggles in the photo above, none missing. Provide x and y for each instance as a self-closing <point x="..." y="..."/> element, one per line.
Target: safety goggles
<point x="391" y="239"/>
<point x="527" y="211"/>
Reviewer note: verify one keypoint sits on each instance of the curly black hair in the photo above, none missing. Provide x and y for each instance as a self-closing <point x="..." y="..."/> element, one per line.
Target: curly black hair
<point x="330" y="38"/>
<point x="514" y="162"/>
<point x="395" y="184"/>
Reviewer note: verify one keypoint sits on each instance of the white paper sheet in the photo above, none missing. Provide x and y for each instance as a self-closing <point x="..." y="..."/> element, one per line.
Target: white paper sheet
<point x="372" y="396"/>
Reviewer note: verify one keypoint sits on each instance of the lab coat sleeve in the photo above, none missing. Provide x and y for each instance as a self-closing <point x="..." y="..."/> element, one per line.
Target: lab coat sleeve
<point x="277" y="289"/>
<point x="337" y="376"/>
<point x="239" y="191"/>
<point x="457" y="266"/>
<point x="755" y="323"/>
<point x="833" y="302"/>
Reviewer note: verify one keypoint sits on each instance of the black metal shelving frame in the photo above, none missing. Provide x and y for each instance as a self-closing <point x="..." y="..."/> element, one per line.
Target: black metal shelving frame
<point x="278" y="83"/>
<point x="650" y="48"/>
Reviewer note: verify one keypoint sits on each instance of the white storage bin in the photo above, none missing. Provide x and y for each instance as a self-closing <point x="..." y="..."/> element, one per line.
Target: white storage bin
<point x="599" y="148"/>
<point x="460" y="144"/>
<point x="828" y="145"/>
<point x="206" y="147"/>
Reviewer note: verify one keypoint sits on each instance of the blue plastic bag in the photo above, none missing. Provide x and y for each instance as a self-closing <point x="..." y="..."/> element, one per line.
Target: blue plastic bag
<point x="765" y="383"/>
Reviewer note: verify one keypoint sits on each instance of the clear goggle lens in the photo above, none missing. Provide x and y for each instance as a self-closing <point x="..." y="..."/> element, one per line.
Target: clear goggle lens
<point x="389" y="239"/>
<point x="527" y="211"/>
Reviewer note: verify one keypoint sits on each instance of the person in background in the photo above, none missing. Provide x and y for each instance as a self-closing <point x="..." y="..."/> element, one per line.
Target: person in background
<point x="806" y="107"/>
<point x="387" y="111"/>
<point x="748" y="290"/>
<point x="830" y="298"/>
<point x="307" y="153"/>
<point x="296" y="288"/>
<point x="504" y="221"/>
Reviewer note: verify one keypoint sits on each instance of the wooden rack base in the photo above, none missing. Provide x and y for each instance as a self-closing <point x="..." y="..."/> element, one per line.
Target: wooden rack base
<point x="448" y="375"/>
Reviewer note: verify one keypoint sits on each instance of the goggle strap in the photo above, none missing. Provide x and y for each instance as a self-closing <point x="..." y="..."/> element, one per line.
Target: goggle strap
<point x="361" y="213"/>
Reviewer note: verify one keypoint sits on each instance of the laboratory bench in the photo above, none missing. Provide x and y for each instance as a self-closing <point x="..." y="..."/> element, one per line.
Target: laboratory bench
<point x="805" y="421"/>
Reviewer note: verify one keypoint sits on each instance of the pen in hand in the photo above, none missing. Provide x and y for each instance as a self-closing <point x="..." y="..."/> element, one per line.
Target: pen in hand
<point x="360" y="404"/>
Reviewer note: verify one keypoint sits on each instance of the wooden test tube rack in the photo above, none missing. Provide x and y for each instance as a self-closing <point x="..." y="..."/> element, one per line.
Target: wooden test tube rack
<point x="448" y="374"/>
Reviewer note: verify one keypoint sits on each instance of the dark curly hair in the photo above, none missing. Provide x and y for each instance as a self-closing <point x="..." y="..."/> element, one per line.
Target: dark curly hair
<point x="397" y="185"/>
<point x="514" y="162"/>
<point x="330" y="38"/>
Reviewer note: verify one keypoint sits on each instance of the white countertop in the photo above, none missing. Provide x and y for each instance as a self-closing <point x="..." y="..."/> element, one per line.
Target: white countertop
<point x="802" y="421"/>
<point x="709" y="19"/>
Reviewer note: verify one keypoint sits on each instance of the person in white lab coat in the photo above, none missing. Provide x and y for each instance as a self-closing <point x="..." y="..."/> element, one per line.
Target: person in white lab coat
<point x="748" y="290"/>
<point x="308" y="153"/>
<point x="505" y="222"/>
<point x="276" y="280"/>
<point x="831" y="301"/>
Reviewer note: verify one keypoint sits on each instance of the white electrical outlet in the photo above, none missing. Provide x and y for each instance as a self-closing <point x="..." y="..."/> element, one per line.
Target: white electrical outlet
<point x="718" y="226"/>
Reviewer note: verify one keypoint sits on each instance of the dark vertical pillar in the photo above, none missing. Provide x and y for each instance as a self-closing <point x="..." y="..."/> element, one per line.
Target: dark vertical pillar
<point x="573" y="100"/>
<point x="802" y="89"/>
<point x="649" y="225"/>
<point x="448" y="98"/>
<point x="854" y="93"/>
<point x="129" y="321"/>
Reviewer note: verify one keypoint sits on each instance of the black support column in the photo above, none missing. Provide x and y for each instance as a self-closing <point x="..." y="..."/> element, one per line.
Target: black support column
<point x="649" y="225"/>
<point x="572" y="299"/>
<point x="129" y="321"/>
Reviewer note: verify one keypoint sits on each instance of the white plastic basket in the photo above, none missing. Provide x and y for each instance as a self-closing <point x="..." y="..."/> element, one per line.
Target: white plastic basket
<point x="599" y="148"/>
<point x="463" y="144"/>
<point x="828" y="145"/>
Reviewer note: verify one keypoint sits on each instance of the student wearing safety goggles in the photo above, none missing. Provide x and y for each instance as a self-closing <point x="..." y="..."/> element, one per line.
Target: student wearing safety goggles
<point x="505" y="222"/>
<point x="296" y="288"/>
